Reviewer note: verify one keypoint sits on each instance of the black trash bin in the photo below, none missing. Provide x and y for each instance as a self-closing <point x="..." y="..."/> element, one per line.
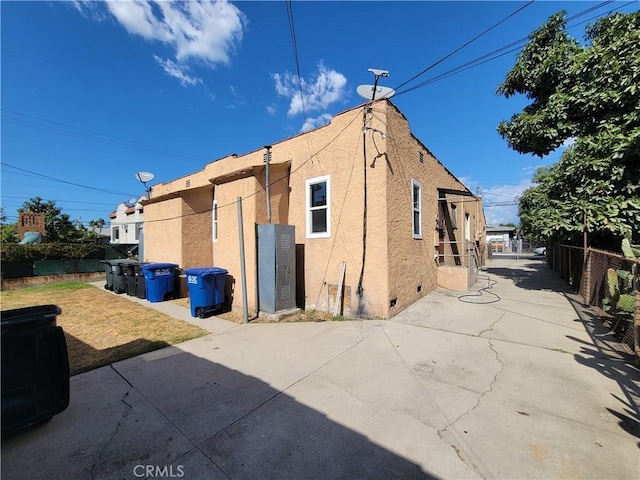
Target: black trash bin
<point x="119" y="280"/>
<point x="141" y="291"/>
<point x="109" y="274"/>
<point x="129" y="272"/>
<point x="35" y="366"/>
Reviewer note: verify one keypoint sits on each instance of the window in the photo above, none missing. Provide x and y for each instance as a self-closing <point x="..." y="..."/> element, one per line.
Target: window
<point x="139" y="227"/>
<point x="318" y="203"/>
<point x="416" y="188"/>
<point x="467" y="227"/>
<point x="115" y="233"/>
<point x="421" y="157"/>
<point x="214" y="221"/>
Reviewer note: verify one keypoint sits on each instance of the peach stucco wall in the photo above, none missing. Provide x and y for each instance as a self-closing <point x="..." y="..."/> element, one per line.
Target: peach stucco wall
<point x="396" y="265"/>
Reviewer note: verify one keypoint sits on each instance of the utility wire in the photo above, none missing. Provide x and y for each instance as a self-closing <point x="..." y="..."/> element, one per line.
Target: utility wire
<point x="464" y="45"/>
<point x="292" y="30"/>
<point x="90" y="135"/>
<point x="40" y="175"/>
<point x="505" y="50"/>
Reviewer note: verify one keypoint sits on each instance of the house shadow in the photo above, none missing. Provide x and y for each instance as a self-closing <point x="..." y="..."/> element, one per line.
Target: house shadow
<point x="84" y="357"/>
<point x="532" y="276"/>
<point x="606" y="355"/>
<point x="191" y="415"/>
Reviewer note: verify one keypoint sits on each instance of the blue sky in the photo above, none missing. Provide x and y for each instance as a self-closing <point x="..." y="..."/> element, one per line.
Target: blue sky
<point x="94" y="91"/>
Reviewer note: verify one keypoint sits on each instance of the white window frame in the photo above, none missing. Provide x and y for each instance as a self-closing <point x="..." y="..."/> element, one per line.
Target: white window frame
<point x="214" y="221"/>
<point x="467" y="227"/>
<point x="309" y="209"/>
<point x="115" y="233"/>
<point x="414" y="210"/>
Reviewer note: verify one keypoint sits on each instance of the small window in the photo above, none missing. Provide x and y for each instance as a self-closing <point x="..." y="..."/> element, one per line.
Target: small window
<point x="214" y="221"/>
<point x="139" y="227"/>
<point x="318" y="205"/>
<point x="421" y="157"/>
<point x="416" y="188"/>
<point x="115" y="233"/>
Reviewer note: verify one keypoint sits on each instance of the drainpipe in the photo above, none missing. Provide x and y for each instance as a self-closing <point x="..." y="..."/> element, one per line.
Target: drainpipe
<point x="267" y="159"/>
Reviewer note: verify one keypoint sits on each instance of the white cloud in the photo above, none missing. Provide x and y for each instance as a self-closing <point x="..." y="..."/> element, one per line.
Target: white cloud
<point x="569" y="142"/>
<point x="500" y="201"/>
<point x="204" y="31"/>
<point x="321" y="91"/>
<point x="178" y="71"/>
<point x="271" y="110"/>
<point x="312" y="123"/>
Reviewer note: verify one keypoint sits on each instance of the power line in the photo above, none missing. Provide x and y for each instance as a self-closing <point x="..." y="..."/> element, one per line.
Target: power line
<point x="94" y="136"/>
<point x="40" y="175"/>
<point x="505" y="50"/>
<point x="294" y="42"/>
<point x="464" y="45"/>
<point x="59" y="200"/>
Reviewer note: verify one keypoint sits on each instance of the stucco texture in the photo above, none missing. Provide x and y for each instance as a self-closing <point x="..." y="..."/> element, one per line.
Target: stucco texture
<point x="398" y="269"/>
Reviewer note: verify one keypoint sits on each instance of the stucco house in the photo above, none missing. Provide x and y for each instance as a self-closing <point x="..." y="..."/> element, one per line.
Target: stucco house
<point x="127" y="222"/>
<point x="365" y="197"/>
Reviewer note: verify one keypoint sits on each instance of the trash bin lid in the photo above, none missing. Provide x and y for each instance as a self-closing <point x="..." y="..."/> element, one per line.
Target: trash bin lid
<point x="156" y="266"/>
<point x="117" y="261"/>
<point x="205" y="271"/>
<point x="38" y="313"/>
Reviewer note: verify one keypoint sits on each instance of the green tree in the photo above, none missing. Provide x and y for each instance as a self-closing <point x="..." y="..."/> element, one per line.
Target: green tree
<point x="588" y="93"/>
<point x="8" y="231"/>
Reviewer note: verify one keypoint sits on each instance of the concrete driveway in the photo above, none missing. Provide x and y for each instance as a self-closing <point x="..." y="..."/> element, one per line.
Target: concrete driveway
<point x="514" y="381"/>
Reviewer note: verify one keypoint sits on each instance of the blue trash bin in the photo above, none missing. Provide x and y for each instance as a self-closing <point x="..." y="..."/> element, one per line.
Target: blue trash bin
<point x="206" y="289"/>
<point x="159" y="280"/>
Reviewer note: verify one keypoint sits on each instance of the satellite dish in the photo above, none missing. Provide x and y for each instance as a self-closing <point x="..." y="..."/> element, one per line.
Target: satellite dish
<point x="145" y="177"/>
<point x="131" y="202"/>
<point x="372" y="92"/>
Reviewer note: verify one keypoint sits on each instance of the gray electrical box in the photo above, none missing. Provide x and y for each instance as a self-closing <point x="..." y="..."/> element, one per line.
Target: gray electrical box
<point x="276" y="267"/>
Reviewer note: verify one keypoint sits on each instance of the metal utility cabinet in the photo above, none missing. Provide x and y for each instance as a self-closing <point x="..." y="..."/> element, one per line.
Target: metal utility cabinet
<point x="276" y="267"/>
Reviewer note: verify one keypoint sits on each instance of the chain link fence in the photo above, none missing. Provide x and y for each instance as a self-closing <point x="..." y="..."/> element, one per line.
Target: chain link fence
<point x="608" y="282"/>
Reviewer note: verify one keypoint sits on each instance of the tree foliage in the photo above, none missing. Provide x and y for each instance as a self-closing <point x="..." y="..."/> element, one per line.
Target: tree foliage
<point x="8" y="231"/>
<point x="588" y="94"/>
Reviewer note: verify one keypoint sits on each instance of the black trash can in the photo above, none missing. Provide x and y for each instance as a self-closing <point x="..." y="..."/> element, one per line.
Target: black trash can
<point x="129" y="272"/>
<point x="141" y="291"/>
<point x="109" y="272"/>
<point x="35" y="366"/>
<point x="117" y="269"/>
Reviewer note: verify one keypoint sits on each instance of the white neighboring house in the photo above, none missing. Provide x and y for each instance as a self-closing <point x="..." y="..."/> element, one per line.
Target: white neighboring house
<point x="127" y="223"/>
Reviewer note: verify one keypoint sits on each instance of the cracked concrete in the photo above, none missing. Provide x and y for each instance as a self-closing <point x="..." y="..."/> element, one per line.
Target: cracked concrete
<point x="125" y="413"/>
<point x="513" y="389"/>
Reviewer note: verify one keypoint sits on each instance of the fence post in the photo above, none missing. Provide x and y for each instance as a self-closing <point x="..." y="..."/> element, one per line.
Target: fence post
<point x="587" y="278"/>
<point x="636" y="315"/>
<point x="468" y="246"/>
